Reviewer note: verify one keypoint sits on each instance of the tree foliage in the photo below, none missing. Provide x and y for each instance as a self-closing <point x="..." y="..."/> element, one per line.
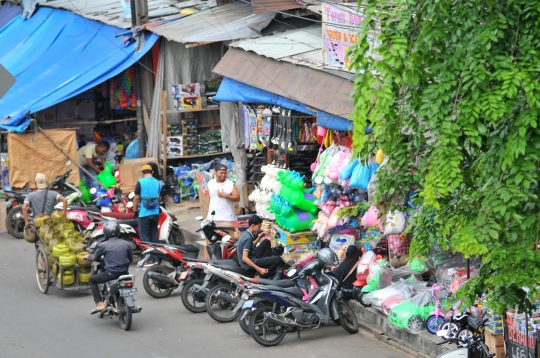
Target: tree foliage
<point x="454" y="99"/>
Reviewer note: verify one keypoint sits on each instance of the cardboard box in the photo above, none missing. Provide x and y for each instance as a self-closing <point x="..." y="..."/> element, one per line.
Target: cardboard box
<point x="287" y="238"/>
<point x="177" y="140"/>
<point x="190" y="103"/>
<point x="130" y="172"/>
<point x="297" y="249"/>
<point x="495" y="343"/>
<point x="175" y="151"/>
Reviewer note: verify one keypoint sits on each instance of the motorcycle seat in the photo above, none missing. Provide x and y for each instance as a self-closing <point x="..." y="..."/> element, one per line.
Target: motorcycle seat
<point x="133" y="222"/>
<point x="85" y="208"/>
<point x="118" y="216"/>
<point x="279" y="283"/>
<point x="235" y="269"/>
<point x="295" y="291"/>
<point x="186" y="248"/>
<point x="218" y="262"/>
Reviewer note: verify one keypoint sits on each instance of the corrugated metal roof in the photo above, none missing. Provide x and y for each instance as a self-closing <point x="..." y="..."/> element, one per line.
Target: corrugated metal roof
<point x="110" y="11"/>
<point x="264" y="6"/>
<point x="226" y="22"/>
<point x="284" y="44"/>
<point x="299" y="46"/>
<point x="306" y="85"/>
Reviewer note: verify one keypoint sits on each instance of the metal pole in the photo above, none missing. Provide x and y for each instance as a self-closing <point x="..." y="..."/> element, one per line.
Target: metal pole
<point x="136" y="21"/>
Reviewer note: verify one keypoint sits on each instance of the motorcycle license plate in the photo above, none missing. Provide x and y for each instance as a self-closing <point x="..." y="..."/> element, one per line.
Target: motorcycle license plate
<point x="125" y="292"/>
<point x="248" y="304"/>
<point x="183" y="276"/>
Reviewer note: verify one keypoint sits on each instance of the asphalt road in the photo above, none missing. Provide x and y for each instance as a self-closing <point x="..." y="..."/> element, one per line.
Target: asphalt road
<point x="59" y="324"/>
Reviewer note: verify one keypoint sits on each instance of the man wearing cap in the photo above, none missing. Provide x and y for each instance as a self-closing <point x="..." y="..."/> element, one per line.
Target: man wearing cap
<point x="42" y="201"/>
<point x="146" y="204"/>
<point x="223" y="195"/>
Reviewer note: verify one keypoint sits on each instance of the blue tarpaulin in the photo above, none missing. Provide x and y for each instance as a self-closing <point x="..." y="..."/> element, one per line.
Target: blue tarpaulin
<point x="56" y="55"/>
<point x="233" y="91"/>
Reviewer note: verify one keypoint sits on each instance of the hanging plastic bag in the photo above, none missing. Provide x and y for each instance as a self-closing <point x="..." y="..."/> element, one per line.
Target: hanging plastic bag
<point x="338" y="161"/>
<point x="356" y="177"/>
<point x="347" y="170"/>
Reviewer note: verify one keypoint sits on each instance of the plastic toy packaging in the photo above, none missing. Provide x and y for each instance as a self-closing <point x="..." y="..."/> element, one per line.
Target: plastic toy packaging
<point x="339" y="244"/>
<point x="400" y="290"/>
<point x="412" y="314"/>
<point x="362" y="271"/>
<point x="452" y="274"/>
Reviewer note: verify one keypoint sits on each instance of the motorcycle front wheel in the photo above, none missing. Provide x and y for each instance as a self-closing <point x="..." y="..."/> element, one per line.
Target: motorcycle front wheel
<point x="192" y="301"/>
<point x="263" y="331"/>
<point x="155" y="288"/>
<point x="347" y="318"/>
<point x="124" y="314"/>
<point x="219" y="303"/>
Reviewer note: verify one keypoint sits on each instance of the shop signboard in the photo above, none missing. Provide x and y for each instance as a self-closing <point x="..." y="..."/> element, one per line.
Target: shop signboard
<point x="517" y="344"/>
<point x="340" y="30"/>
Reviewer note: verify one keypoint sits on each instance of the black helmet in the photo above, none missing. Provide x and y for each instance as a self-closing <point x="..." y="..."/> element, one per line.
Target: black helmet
<point x="327" y="257"/>
<point x="111" y="229"/>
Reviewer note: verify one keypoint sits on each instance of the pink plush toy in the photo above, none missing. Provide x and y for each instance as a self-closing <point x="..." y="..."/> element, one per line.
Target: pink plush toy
<point x="338" y="161"/>
<point x="370" y="218"/>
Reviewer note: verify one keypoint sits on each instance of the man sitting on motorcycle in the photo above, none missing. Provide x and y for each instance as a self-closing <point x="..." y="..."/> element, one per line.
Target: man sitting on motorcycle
<point x="253" y="256"/>
<point x="117" y="255"/>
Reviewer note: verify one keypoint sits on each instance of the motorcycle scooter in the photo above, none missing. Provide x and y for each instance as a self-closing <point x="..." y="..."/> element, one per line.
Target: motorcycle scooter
<point x="117" y="295"/>
<point x="268" y="324"/>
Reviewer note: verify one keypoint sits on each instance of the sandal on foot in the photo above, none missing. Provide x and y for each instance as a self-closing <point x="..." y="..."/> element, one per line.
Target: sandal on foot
<point x="96" y="310"/>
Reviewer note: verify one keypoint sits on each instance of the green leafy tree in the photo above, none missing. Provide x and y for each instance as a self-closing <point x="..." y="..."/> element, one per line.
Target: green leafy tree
<point x="454" y="99"/>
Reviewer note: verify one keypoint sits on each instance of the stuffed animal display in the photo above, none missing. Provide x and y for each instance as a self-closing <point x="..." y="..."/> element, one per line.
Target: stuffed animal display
<point x="293" y="207"/>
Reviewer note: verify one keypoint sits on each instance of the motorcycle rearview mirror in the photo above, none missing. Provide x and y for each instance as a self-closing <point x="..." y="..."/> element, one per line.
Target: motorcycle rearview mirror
<point x="291" y="272"/>
<point x="68" y="163"/>
<point x="213" y="212"/>
<point x="442" y="333"/>
<point x="93" y="191"/>
<point x="129" y="205"/>
<point x="131" y="195"/>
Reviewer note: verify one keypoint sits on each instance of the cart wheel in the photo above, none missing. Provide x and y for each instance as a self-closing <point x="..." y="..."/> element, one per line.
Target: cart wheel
<point x="42" y="270"/>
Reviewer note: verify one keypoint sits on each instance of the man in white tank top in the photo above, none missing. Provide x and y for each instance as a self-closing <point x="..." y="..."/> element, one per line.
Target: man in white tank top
<point x="223" y="195"/>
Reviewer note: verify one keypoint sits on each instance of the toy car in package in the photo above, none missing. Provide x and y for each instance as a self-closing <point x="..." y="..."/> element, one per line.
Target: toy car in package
<point x="401" y="288"/>
<point x="412" y="314"/>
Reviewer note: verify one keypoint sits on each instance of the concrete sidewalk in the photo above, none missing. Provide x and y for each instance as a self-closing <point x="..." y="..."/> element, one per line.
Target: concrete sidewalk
<point x="185" y="213"/>
<point x="371" y="320"/>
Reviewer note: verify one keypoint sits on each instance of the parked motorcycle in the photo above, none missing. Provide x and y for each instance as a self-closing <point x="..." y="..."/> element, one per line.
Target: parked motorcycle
<point x="14" y="198"/>
<point x="208" y="231"/>
<point x="15" y="218"/>
<point x="109" y="199"/>
<point x="161" y="280"/>
<point x="268" y="324"/>
<point x="168" y="231"/>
